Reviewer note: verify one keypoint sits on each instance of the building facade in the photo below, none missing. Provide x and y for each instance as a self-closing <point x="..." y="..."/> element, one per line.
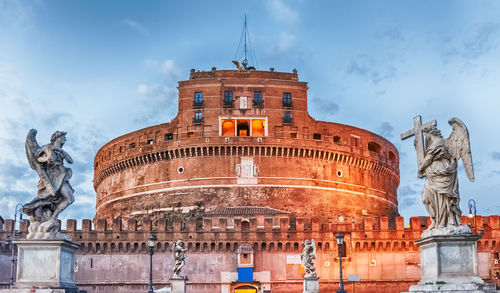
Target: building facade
<point x="243" y="175"/>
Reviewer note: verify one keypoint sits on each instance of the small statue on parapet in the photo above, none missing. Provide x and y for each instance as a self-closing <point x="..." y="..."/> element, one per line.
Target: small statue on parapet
<point x="437" y="160"/>
<point x="179" y="259"/>
<point x="54" y="190"/>
<point x="306" y="258"/>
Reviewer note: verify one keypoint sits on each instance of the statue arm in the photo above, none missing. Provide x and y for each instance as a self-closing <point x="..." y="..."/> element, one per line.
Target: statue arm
<point x="429" y="157"/>
<point x="68" y="157"/>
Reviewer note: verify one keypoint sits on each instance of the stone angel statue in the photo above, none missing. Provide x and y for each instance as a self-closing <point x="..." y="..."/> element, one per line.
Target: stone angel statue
<point x="179" y="258"/>
<point x="439" y="166"/>
<point x="54" y="190"/>
<point x="307" y="257"/>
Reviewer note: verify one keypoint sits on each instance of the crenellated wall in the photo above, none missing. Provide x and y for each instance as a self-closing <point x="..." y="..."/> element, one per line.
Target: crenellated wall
<point x="383" y="253"/>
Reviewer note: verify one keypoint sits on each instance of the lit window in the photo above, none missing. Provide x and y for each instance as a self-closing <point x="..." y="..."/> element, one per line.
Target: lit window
<point x="228" y="127"/>
<point x="258" y="127"/>
<point x="243" y="128"/>
<point x="287" y="99"/>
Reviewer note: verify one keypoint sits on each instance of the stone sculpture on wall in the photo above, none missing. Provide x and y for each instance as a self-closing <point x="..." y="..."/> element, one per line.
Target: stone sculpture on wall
<point x="54" y="190"/>
<point x="179" y="259"/>
<point x="307" y="257"/>
<point x="438" y="163"/>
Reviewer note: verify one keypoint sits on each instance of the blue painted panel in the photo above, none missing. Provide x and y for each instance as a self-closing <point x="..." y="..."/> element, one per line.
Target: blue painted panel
<point x="245" y="275"/>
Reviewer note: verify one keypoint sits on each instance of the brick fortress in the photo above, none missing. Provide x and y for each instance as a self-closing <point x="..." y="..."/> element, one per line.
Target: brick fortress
<point x="243" y="175"/>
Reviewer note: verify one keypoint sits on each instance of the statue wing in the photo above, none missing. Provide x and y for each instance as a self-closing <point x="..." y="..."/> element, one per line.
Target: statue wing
<point x="314" y="248"/>
<point x="32" y="147"/>
<point x="458" y="145"/>
<point x="238" y="65"/>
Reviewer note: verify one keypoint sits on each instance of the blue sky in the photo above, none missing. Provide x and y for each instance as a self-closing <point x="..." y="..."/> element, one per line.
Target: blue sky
<point x="99" y="69"/>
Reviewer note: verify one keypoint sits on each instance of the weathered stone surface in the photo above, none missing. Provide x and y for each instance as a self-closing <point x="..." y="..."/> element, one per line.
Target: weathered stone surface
<point x="311" y="285"/>
<point x="45" y="264"/>
<point x="449" y="264"/>
<point x="177" y="285"/>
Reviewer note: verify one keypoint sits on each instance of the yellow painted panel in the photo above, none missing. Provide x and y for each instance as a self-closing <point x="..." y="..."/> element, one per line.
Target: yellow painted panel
<point x="245" y="290"/>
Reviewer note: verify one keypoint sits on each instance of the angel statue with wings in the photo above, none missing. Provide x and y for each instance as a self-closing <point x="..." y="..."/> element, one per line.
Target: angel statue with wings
<point x="54" y="191"/>
<point x="438" y="163"/>
<point x="179" y="258"/>
<point x="306" y="258"/>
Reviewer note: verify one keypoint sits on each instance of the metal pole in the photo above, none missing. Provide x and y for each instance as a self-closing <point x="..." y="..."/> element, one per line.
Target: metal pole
<point x="341" y="283"/>
<point x="18" y="209"/>
<point x="150" y="270"/>
<point x="11" y="265"/>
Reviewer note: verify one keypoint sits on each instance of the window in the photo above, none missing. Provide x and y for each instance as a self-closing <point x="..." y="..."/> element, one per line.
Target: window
<point x="257" y="99"/>
<point x="354" y="141"/>
<point x="168" y="136"/>
<point x="336" y="139"/>
<point x="293" y="135"/>
<point x="287" y="117"/>
<point x="287" y="100"/>
<point x="120" y="149"/>
<point x="132" y="146"/>
<point x="317" y="136"/>
<point x="198" y="99"/>
<point x="198" y="117"/>
<point x="243" y="126"/>
<point x="228" y="127"/>
<point x="374" y="147"/>
<point x="228" y="98"/>
<point x="150" y="141"/>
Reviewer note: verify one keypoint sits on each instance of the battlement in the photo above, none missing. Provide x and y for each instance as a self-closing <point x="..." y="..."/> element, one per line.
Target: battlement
<point x="265" y="233"/>
<point x="218" y="74"/>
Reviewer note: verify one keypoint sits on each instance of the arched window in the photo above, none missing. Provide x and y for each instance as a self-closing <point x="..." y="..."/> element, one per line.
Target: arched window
<point x="374" y="147"/>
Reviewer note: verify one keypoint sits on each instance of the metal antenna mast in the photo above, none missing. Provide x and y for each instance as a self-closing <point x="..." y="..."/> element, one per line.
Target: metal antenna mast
<point x="245" y="49"/>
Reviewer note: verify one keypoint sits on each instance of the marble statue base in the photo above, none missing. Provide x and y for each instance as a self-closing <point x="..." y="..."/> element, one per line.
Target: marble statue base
<point x="47" y="265"/>
<point x="311" y="285"/>
<point x="178" y="285"/>
<point x="449" y="264"/>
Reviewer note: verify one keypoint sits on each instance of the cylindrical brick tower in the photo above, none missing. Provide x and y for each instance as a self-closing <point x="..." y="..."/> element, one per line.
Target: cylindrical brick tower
<point x="245" y="138"/>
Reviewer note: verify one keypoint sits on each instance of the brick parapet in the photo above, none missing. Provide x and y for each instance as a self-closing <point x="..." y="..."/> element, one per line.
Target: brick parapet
<point x="223" y="234"/>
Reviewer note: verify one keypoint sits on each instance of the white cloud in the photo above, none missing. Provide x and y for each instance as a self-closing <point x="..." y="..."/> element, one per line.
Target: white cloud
<point x="281" y="11"/>
<point x="135" y="25"/>
<point x="167" y="68"/>
<point x="287" y="42"/>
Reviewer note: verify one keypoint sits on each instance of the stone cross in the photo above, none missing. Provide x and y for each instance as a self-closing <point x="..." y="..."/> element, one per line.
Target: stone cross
<point x="417" y="131"/>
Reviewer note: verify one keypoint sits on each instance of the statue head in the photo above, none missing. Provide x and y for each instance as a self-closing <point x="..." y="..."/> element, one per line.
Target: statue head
<point x="57" y="135"/>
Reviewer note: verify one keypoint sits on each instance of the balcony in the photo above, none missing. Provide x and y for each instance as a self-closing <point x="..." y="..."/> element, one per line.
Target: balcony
<point x="228" y="104"/>
<point x="287" y="104"/>
<point x="197" y="104"/>
<point x="258" y="103"/>
<point x="198" y="121"/>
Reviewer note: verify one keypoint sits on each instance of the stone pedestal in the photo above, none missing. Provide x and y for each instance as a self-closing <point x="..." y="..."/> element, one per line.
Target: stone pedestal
<point x="48" y="265"/>
<point x="311" y="285"/>
<point x="178" y="285"/>
<point x="449" y="264"/>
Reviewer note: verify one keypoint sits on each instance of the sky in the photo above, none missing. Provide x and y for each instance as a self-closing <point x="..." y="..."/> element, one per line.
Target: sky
<point x="100" y="69"/>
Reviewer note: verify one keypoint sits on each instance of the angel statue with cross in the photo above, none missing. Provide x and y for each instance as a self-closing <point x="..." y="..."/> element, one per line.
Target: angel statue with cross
<point x="437" y="160"/>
